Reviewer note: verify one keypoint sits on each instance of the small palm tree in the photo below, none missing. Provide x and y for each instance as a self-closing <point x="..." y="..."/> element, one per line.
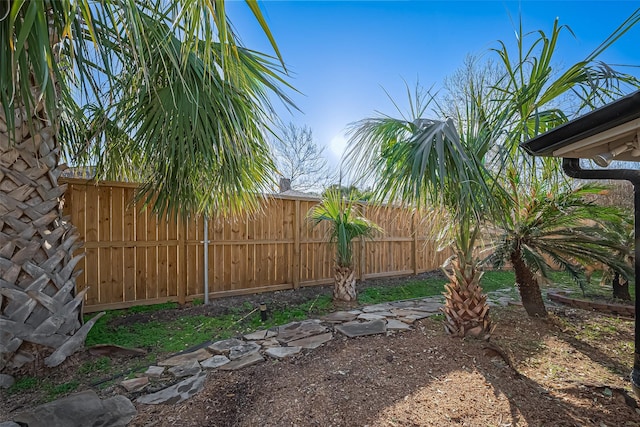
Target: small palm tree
<point x="345" y="225"/>
<point x="429" y="163"/>
<point x="554" y="226"/>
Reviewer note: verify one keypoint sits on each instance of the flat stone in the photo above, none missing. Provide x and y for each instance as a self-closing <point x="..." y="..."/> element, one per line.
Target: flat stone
<point x="403" y="304"/>
<point x="215" y="362"/>
<point x="339" y="317"/>
<point x="84" y="409"/>
<point x="260" y="335"/>
<point x="430" y="308"/>
<point x="282" y="352"/>
<point x="298" y="330"/>
<point x="314" y="341"/>
<point x="240" y="351"/>
<point x="224" y="346"/>
<point x="135" y="384"/>
<point x="410" y="314"/>
<point x="6" y="381"/>
<point x="9" y="424"/>
<point x="252" y="359"/>
<point x="154" y="371"/>
<point x="377" y="307"/>
<point x="406" y="320"/>
<point x="176" y="393"/>
<point x="355" y="311"/>
<point x="181" y="359"/>
<point x="362" y="329"/>
<point x="397" y="325"/>
<point x="189" y="369"/>
<point x="371" y="316"/>
<point x="272" y="342"/>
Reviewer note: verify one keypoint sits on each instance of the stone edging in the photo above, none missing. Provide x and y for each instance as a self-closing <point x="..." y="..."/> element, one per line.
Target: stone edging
<point x="602" y="307"/>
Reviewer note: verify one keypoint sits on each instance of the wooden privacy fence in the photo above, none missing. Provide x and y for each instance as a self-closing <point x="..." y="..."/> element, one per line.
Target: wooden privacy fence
<point x="133" y="258"/>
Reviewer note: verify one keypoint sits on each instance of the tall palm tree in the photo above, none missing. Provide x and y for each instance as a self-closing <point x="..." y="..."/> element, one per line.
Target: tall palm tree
<point x="345" y="225"/>
<point x="174" y="97"/>
<point x="553" y="226"/>
<point x="431" y="163"/>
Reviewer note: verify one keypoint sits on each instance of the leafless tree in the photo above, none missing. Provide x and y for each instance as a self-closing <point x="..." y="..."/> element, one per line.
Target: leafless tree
<point x="299" y="158"/>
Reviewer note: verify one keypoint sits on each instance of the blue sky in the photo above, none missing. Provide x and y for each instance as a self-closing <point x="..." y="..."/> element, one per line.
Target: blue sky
<point x="342" y="54"/>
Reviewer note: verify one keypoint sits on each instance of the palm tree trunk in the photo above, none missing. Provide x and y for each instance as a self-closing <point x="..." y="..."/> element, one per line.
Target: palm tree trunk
<point x="466" y="309"/>
<point x="344" y="288"/>
<point x="40" y="312"/>
<point x="620" y="288"/>
<point x="528" y="285"/>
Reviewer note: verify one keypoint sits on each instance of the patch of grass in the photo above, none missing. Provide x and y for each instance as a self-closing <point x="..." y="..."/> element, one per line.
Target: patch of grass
<point x="23" y="384"/>
<point x="54" y="391"/>
<point x="491" y="280"/>
<point x="188" y="331"/>
<point x="594" y="289"/>
<point x="99" y="365"/>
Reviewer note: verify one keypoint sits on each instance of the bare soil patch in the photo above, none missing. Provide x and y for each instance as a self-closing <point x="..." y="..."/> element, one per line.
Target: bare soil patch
<point x="562" y="377"/>
<point x="569" y="370"/>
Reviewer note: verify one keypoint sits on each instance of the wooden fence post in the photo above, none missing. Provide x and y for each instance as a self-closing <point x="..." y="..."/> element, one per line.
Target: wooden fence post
<point x="296" y="245"/>
<point x="363" y="254"/>
<point x="414" y="243"/>
<point x="182" y="260"/>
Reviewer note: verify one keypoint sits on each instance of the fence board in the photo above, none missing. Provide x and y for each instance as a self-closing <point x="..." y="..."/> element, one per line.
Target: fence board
<point x="134" y="258"/>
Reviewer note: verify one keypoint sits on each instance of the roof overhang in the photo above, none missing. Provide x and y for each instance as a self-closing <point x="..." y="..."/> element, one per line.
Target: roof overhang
<point x="613" y="129"/>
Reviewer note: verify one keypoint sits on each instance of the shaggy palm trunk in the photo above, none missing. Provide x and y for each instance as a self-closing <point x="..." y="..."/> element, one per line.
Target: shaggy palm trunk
<point x="344" y="288"/>
<point x="40" y="313"/>
<point x="528" y="285"/>
<point x="620" y="288"/>
<point x="466" y="308"/>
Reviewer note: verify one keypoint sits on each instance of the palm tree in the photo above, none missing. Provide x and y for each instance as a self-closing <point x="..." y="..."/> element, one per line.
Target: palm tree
<point x="174" y="98"/>
<point x="345" y="225"/>
<point x="431" y="163"/>
<point x="553" y="226"/>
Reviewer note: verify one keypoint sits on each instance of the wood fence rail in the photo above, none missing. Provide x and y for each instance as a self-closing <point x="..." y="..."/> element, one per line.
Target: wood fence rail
<point x="134" y="258"/>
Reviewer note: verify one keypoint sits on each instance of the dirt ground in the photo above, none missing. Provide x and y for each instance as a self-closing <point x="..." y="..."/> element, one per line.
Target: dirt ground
<point x="569" y="370"/>
<point x="425" y="378"/>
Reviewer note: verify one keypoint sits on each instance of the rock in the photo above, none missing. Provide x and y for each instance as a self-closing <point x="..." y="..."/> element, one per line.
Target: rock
<point x="377" y="307"/>
<point x="111" y="350"/>
<point x="403" y="304"/>
<point x="181" y="359"/>
<point x="282" y="352"/>
<point x="272" y="342"/>
<point x="6" y="381"/>
<point x="371" y="316"/>
<point x="176" y="393"/>
<point x="312" y="341"/>
<point x="260" y="335"/>
<point x="215" y="362"/>
<point x="428" y="307"/>
<point x="240" y="351"/>
<point x="397" y="325"/>
<point x="252" y="359"/>
<point x="135" y="384"/>
<point x="84" y="409"/>
<point x="339" y="317"/>
<point x="154" y="371"/>
<point x="297" y="330"/>
<point x="356" y="329"/>
<point x="410" y="314"/>
<point x="224" y="346"/>
<point x="9" y="424"/>
<point x="189" y="369"/>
